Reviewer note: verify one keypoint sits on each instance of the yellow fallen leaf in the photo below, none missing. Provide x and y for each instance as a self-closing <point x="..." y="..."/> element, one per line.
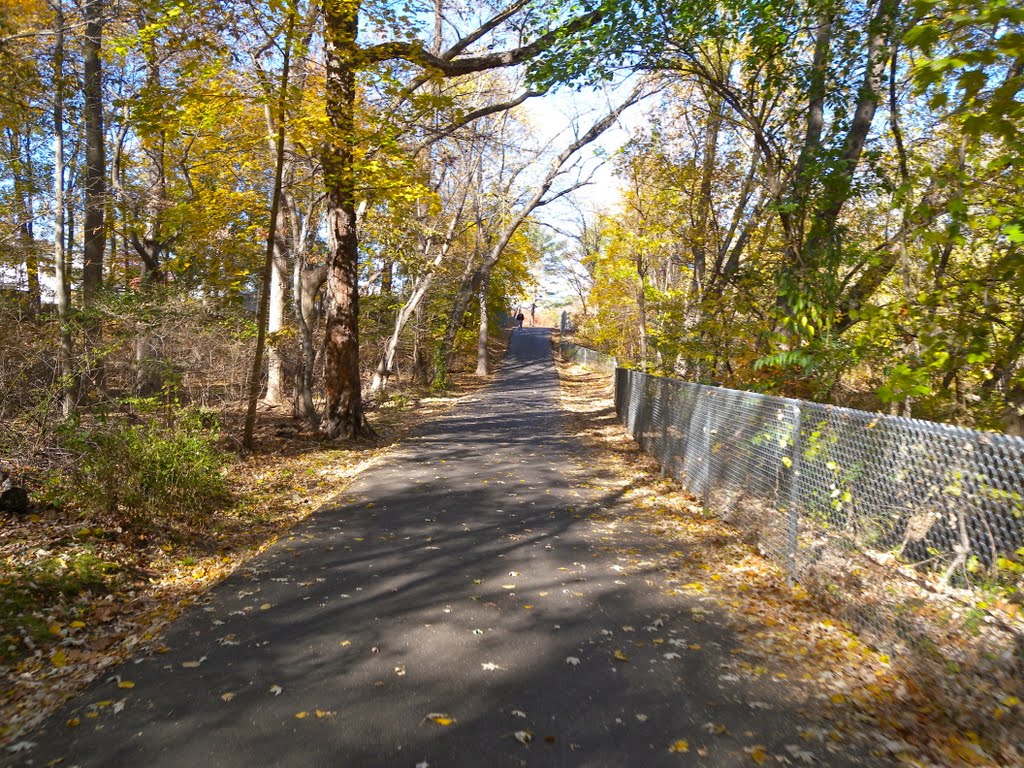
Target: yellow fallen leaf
<point x="190" y="664"/>
<point x="1010" y="701"/>
<point x="344" y="643"/>
<point x="92" y="715"/>
<point x="757" y="754"/>
<point x="77" y="624"/>
<point x="508" y="586"/>
<point x="74" y="722"/>
<point x="440" y="718"/>
<point x="681" y="746"/>
<point x="55" y="629"/>
<point x="265" y="607"/>
<point x="126" y="684"/>
<point x="322" y="713"/>
<point x="694" y="646"/>
<point x="227" y="696"/>
<point x="971" y="754"/>
<point x="837" y="698"/>
<point x="528" y="607"/>
<point x="58" y="658"/>
<point x="620" y="656"/>
<point x="301" y="715"/>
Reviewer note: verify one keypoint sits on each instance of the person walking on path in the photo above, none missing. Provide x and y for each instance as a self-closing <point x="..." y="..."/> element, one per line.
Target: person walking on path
<point x="519" y="320"/>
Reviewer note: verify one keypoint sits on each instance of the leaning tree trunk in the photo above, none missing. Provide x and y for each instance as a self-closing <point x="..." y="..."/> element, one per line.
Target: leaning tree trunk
<point x="446" y="352"/>
<point x="420" y="287"/>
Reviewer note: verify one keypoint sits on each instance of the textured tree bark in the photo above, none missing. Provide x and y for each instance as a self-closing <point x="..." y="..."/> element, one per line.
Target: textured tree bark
<point x="307" y="283"/>
<point x="343" y="413"/>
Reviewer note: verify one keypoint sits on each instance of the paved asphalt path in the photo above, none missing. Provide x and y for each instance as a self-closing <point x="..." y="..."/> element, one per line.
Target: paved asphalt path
<point x="459" y="576"/>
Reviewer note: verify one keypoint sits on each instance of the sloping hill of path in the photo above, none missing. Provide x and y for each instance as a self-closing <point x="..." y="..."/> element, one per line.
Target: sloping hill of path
<point x="458" y="607"/>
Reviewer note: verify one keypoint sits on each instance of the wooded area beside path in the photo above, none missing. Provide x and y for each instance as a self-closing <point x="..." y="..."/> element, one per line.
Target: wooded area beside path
<point x="233" y="230"/>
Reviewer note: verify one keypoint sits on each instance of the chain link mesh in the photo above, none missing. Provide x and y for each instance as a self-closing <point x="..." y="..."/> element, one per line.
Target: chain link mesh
<point x="824" y="485"/>
<point x="587" y="357"/>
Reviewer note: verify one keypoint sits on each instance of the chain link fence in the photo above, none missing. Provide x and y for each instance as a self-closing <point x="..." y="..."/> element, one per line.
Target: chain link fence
<point x="587" y="357"/>
<point x="886" y="516"/>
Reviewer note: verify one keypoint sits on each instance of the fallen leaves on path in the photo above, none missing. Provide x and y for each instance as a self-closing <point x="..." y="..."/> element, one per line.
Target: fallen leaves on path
<point x="93" y="593"/>
<point x="911" y="710"/>
<point x="440" y="718"/>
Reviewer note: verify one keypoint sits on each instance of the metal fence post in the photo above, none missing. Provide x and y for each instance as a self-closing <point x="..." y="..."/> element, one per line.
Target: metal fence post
<point x="706" y="495"/>
<point x="796" y="459"/>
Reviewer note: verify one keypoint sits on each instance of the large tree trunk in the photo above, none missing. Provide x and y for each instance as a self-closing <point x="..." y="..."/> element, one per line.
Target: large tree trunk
<point x="275" y="394"/>
<point x="95" y="154"/>
<point x="343" y="413"/>
<point x="306" y="284"/>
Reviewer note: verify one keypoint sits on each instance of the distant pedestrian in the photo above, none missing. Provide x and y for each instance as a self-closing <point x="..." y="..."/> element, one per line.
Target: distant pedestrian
<point x="519" y="319"/>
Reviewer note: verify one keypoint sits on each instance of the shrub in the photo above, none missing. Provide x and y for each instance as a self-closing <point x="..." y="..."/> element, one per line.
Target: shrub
<point x="144" y="473"/>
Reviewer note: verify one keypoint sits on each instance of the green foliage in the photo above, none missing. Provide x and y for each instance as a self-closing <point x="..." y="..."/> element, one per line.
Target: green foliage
<point x="27" y="590"/>
<point x="143" y="473"/>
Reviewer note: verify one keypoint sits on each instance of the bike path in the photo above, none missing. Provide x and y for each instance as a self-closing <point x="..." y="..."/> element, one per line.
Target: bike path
<point x="460" y="576"/>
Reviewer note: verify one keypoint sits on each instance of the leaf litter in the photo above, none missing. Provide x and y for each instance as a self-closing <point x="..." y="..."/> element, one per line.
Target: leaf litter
<point x="788" y="634"/>
<point x="63" y="642"/>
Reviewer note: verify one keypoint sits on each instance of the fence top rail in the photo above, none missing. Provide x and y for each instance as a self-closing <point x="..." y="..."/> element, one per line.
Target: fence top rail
<point x="934" y="427"/>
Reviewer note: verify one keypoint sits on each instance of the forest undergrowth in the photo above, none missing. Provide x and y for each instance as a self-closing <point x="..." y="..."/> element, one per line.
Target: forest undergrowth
<point x="83" y="588"/>
<point x="915" y="709"/>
